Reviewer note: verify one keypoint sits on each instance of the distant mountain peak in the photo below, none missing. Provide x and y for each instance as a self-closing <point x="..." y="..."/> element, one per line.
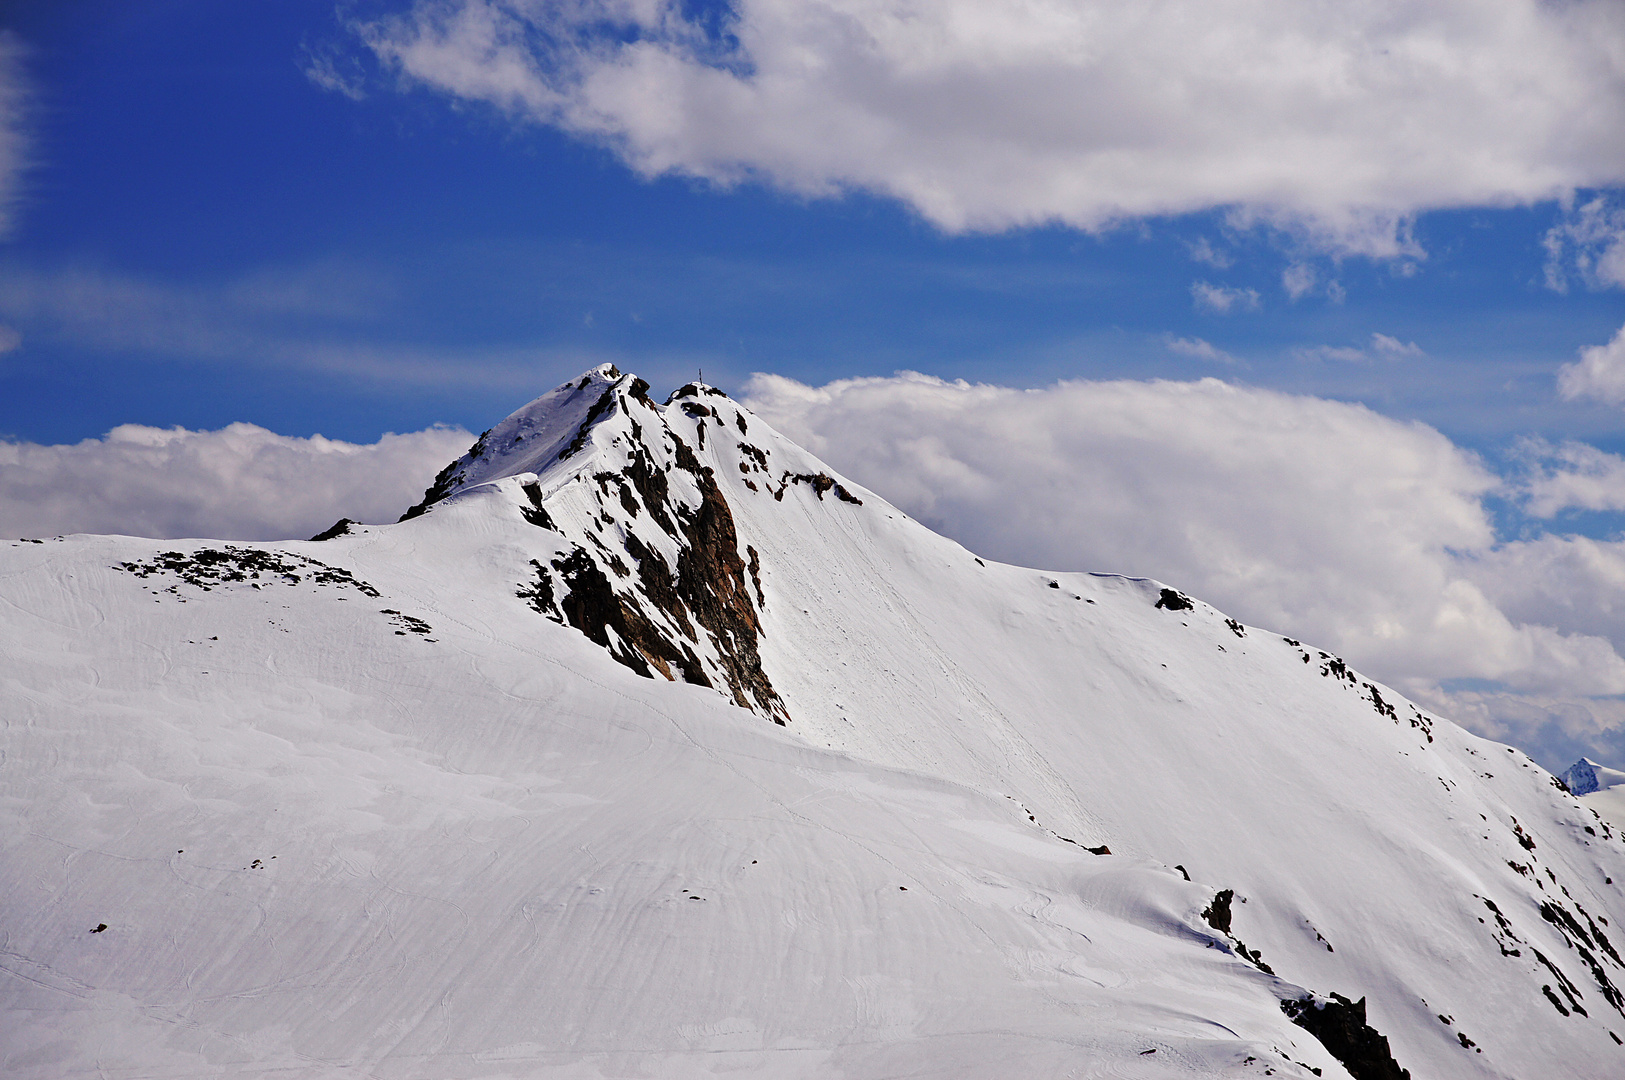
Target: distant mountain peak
<point x="1586" y="776"/>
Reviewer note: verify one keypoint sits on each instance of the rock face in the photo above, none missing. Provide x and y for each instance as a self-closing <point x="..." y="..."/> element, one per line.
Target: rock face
<point x="1340" y="1026"/>
<point x="654" y="571"/>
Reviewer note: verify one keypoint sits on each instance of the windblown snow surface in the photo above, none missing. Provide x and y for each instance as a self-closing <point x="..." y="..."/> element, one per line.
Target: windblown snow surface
<point x="648" y="746"/>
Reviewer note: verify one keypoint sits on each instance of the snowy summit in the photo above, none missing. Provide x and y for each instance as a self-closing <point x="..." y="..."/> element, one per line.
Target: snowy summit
<point x="648" y="744"/>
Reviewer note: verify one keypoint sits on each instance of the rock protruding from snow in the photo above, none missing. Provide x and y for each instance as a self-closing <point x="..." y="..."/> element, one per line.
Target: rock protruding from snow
<point x="654" y="570"/>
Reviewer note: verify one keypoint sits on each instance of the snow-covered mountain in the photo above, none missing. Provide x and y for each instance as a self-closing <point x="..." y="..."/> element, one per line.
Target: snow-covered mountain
<point x="647" y="745"/>
<point x="1600" y="788"/>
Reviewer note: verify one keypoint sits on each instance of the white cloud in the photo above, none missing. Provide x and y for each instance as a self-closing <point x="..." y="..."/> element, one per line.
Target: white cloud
<point x="239" y="483"/>
<point x="1339" y="121"/>
<point x="1298" y="280"/>
<point x="1598" y="374"/>
<point x="9" y="339"/>
<point x="1222" y="299"/>
<point x="1393" y="349"/>
<point x="1589" y="243"/>
<point x="14" y="151"/>
<point x="329" y="70"/>
<point x="1382" y="347"/>
<point x="1346" y="354"/>
<point x="1569" y="476"/>
<point x="1315" y="518"/>
<point x="1198" y="349"/>
<point x="1204" y="252"/>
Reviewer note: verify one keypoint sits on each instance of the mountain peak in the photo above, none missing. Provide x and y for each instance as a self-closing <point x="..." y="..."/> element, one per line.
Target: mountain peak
<point x="1586" y="776"/>
<point x="554" y="426"/>
<point x="648" y="561"/>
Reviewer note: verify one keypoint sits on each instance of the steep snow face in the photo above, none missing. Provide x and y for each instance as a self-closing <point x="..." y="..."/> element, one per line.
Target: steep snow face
<point x="522" y="824"/>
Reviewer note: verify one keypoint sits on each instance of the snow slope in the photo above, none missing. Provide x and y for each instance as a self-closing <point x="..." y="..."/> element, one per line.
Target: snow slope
<point x="478" y="795"/>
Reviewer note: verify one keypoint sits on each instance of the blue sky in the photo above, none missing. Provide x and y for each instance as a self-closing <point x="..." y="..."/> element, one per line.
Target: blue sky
<point x="374" y="216"/>
<point x="181" y="151"/>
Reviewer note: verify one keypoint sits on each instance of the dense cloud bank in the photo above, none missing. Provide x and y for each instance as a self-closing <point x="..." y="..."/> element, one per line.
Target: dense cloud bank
<point x="1315" y="518"/>
<point x="239" y="483"/>
<point x="1338" y="121"/>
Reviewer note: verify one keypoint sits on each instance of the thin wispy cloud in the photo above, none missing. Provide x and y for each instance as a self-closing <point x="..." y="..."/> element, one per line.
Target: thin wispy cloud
<point x="14" y="142"/>
<point x="1394" y="349"/>
<point x="1298" y="280"/>
<point x="1587" y="245"/>
<point x="333" y="70"/>
<point x="1203" y="251"/>
<point x="1198" y="349"/>
<point x="322" y="318"/>
<point x="1223" y="299"/>
<point x="1382" y="347"/>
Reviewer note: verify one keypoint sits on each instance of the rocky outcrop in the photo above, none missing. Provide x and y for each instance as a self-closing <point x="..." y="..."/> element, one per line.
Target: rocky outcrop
<point x="657" y="578"/>
<point x="1341" y="1027"/>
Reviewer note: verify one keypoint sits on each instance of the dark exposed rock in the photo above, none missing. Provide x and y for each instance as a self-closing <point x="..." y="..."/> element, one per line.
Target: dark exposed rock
<point x="208" y="568"/>
<point x="639" y="391"/>
<point x="341" y="527"/>
<point x="1382" y="707"/>
<point x="1564" y="984"/>
<point x="592" y="606"/>
<point x="1586" y="945"/>
<point x="694" y="390"/>
<point x="821" y="482"/>
<point x="535" y="513"/>
<point x="756" y="575"/>
<point x="443" y="483"/>
<point x="656" y="626"/>
<point x="711" y="579"/>
<point x="1174" y="600"/>
<point x="1506" y="937"/>
<point x="605" y="402"/>
<point x="539" y="593"/>
<point x="1218" y="916"/>
<point x="1341" y="1027"/>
